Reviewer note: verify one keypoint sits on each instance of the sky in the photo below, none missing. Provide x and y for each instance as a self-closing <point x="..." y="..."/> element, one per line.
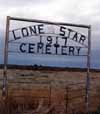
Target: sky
<point x="73" y="11"/>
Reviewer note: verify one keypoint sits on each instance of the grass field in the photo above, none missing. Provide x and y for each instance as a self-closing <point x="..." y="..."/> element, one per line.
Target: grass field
<point x="63" y="88"/>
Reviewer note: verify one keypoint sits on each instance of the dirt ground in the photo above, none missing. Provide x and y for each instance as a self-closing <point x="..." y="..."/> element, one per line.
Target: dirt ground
<point x="63" y="88"/>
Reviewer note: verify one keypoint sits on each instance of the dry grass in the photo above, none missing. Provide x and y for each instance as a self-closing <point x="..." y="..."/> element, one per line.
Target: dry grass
<point x="27" y="87"/>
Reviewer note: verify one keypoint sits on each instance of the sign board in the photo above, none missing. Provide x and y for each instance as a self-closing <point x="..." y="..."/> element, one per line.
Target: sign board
<point x="49" y="38"/>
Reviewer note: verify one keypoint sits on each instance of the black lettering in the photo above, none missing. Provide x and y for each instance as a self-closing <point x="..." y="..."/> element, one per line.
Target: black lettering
<point x="15" y="37"/>
<point x="75" y="37"/>
<point x="40" y="47"/>
<point x="40" y="29"/>
<point x="49" y="39"/>
<point x="69" y="32"/>
<point x="56" y="45"/>
<point x="82" y="39"/>
<point x="48" y="49"/>
<point x="62" y="31"/>
<point x="25" y="32"/>
<point x="71" y="50"/>
<point x="65" y="43"/>
<point x="78" y="50"/>
<point x="63" y="50"/>
<point x="33" y="30"/>
<point x="31" y="48"/>
<point x="21" y="47"/>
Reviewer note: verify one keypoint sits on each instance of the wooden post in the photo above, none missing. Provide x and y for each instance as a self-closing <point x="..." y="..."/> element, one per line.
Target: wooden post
<point x="50" y="95"/>
<point x="67" y="91"/>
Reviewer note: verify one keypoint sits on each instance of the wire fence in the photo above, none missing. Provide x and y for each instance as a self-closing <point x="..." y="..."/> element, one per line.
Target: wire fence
<point x="42" y="97"/>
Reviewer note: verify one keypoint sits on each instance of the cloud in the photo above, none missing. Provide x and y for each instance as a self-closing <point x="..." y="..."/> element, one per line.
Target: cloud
<point x="57" y="10"/>
<point x="73" y="11"/>
<point x="18" y="3"/>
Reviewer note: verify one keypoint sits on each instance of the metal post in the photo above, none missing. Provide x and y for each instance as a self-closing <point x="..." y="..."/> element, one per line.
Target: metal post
<point x="49" y="22"/>
<point x="5" y="88"/>
<point x="88" y="71"/>
<point x="5" y="85"/>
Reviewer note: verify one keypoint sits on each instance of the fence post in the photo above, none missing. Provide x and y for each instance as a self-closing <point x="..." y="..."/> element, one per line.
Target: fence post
<point x="67" y="100"/>
<point x="50" y="94"/>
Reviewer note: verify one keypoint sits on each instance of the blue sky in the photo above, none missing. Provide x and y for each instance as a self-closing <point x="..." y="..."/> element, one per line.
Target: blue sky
<point x="73" y="11"/>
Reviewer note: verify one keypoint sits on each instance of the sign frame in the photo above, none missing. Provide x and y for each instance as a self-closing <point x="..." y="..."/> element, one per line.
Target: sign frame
<point x="5" y="80"/>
